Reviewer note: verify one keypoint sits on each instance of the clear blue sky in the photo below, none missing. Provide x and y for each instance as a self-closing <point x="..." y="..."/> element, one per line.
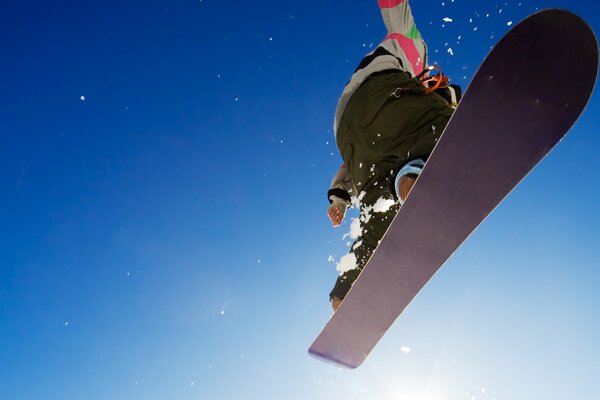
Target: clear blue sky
<point x="165" y="236"/>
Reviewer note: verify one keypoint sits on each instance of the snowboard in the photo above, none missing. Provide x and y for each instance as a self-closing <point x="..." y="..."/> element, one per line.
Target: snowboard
<point x="522" y="101"/>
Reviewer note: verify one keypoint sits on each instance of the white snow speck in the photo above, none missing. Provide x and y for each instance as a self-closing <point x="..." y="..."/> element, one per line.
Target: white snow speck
<point x="450" y="51"/>
<point x="66" y="323"/>
<point x="222" y="312"/>
<point x="446" y="19"/>
<point x="509" y="23"/>
<point x="405" y="349"/>
<point x="82" y="98"/>
<point x="331" y="258"/>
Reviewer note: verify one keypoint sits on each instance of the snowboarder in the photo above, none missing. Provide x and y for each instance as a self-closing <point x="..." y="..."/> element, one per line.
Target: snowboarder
<point x="387" y="122"/>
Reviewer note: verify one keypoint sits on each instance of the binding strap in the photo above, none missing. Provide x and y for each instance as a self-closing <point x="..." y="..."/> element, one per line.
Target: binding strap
<point x="432" y="83"/>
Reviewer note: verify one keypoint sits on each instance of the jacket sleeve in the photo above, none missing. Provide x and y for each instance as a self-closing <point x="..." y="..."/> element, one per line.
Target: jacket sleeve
<point x="398" y="17"/>
<point x="341" y="186"/>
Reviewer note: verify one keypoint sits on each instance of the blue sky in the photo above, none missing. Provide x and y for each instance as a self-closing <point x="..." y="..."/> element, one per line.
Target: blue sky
<point x="164" y="236"/>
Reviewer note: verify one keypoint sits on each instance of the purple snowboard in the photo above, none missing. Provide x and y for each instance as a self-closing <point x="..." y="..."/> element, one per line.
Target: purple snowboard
<point x="524" y="98"/>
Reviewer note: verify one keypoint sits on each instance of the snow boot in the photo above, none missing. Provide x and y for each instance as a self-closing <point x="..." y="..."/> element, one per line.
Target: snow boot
<point x="406" y="178"/>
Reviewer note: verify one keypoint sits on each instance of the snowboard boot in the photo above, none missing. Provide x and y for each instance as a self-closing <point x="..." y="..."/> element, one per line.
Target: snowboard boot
<point x="406" y="177"/>
<point x="405" y="185"/>
<point x="335" y="303"/>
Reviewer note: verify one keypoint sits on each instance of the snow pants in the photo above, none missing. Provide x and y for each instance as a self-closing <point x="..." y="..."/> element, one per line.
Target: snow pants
<point x="379" y="133"/>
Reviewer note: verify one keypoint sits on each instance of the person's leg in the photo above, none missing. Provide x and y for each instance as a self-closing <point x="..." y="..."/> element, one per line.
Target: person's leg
<point x="378" y="135"/>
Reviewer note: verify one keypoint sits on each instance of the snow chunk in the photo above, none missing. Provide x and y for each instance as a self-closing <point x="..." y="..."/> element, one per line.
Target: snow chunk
<point x="450" y="51"/>
<point x="347" y="263"/>
<point x="355" y="229"/>
<point x="446" y="19"/>
<point x="509" y="23"/>
<point x="405" y="349"/>
<point x="382" y="205"/>
<point x="82" y="98"/>
<point x="357" y="245"/>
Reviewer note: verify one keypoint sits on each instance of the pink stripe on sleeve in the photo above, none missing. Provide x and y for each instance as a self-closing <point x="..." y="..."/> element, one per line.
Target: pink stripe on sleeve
<point x="409" y="48"/>
<point x="389" y="3"/>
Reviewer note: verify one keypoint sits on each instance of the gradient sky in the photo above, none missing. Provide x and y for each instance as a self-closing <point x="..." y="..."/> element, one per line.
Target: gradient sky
<point x="164" y="236"/>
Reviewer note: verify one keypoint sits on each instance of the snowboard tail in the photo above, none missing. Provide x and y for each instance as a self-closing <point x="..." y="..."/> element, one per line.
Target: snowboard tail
<point x="524" y="98"/>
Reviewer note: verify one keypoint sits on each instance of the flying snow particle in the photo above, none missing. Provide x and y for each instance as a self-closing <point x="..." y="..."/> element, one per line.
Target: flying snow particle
<point x="66" y="323"/>
<point x="382" y="205"/>
<point x="509" y="23"/>
<point x="450" y="51"/>
<point x="82" y="98"/>
<point x="446" y="19"/>
<point x="330" y="258"/>
<point x="355" y="229"/>
<point x="222" y="312"/>
<point x="346" y="263"/>
<point x="405" y="349"/>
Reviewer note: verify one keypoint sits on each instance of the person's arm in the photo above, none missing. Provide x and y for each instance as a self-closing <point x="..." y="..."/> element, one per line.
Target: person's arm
<point x="338" y="195"/>
<point x="398" y="18"/>
<point x="403" y="36"/>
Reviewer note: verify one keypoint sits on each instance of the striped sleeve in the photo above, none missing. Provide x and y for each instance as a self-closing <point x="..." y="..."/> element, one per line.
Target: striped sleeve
<point x="398" y="18"/>
<point x="403" y="36"/>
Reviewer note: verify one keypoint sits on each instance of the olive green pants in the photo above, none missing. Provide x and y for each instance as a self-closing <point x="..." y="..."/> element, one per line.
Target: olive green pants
<point x="378" y="134"/>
